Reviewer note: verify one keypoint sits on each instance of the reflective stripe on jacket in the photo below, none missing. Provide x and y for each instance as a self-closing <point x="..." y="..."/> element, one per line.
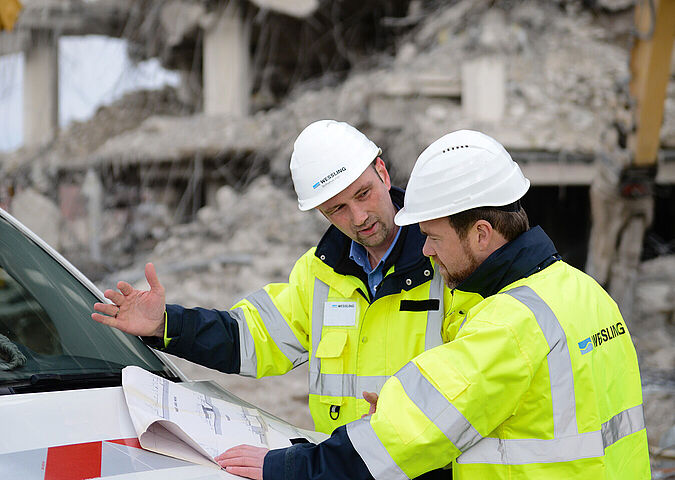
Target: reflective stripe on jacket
<point x="541" y="382"/>
<point x="354" y="339"/>
<point x="353" y="343"/>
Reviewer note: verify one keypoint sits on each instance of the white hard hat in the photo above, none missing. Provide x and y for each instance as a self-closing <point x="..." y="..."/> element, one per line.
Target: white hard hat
<point x="460" y="171"/>
<point x="327" y="157"/>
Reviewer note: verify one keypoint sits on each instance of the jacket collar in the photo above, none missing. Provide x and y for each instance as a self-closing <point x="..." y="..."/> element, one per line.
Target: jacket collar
<point x="529" y="253"/>
<point x="406" y="257"/>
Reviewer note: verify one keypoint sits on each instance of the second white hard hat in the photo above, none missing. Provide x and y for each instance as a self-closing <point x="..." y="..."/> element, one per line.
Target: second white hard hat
<point x="460" y="171"/>
<point x="327" y="157"/>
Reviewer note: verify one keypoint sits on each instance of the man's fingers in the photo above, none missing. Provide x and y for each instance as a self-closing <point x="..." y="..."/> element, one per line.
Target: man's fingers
<point x="106" y="308"/>
<point x="239" y="451"/>
<point x="370" y="397"/>
<point x="99" y="307"/>
<point x="125" y="288"/>
<point x="242" y="461"/>
<point x="248" y="472"/>
<point x="152" y="278"/>
<point x="114" y="296"/>
<point x="106" y="320"/>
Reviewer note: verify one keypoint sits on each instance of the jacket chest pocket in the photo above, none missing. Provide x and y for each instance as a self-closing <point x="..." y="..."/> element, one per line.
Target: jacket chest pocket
<point x="332" y="353"/>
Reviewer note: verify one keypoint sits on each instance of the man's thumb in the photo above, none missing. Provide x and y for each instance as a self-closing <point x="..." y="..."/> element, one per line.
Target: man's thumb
<point x="152" y="278"/>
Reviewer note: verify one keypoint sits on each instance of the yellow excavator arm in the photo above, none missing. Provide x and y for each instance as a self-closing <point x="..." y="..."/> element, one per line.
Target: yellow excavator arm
<point x="622" y="212"/>
<point x="9" y="12"/>
<point x="650" y="72"/>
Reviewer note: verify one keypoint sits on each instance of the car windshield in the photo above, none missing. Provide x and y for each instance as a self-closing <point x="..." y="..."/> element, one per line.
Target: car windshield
<point x="46" y="330"/>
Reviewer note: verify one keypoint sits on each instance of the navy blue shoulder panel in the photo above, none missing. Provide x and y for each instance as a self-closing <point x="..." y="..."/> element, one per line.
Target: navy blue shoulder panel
<point x="529" y="253"/>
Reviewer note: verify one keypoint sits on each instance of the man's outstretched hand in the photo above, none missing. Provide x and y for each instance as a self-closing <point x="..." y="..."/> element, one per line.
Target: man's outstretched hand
<point x="243" y="460"/>
<point x="137" y="312"/>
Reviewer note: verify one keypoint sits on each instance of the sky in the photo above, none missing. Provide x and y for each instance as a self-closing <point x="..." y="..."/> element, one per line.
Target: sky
<point x="93" y="71"/>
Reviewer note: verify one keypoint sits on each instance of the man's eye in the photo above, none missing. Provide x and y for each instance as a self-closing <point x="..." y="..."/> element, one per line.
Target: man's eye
<point x="363" y="194"/>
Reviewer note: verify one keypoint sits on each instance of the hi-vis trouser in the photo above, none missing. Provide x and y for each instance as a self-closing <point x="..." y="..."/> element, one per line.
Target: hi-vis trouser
<point x="541" y="382"/>
<point x="352" y="345"/>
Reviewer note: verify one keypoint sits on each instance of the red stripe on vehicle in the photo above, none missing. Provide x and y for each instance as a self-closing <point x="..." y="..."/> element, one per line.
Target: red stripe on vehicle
<point x="129" y="442"/>
<point x="74" y="462"/>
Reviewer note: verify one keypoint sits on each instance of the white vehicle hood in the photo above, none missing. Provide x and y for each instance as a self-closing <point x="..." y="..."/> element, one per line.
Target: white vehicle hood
<point x="80" y="434"/>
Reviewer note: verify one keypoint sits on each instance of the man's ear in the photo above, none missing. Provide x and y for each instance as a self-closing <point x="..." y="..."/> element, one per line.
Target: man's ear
<point x="381" y="170"/>
<point x="483" y="232"/>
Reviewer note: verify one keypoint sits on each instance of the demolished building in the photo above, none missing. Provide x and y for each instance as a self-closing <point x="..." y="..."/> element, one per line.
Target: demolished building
<point x="548" y="79"/>
<point x="555" y="93"/>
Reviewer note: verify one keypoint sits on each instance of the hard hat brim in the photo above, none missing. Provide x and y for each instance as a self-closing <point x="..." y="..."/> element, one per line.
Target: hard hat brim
<point x="406" y="217"/>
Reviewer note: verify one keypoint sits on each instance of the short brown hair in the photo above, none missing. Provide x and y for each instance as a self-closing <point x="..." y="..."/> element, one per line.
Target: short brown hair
<point x="510" y="224"/>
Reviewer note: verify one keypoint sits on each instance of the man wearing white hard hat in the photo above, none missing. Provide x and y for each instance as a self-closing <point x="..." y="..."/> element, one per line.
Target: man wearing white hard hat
<point x="541" y="379"/>
<point x="358" y="306"/>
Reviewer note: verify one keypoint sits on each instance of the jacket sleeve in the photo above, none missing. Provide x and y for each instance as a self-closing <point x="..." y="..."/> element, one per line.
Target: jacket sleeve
<point x="266" y="333"/>
<point x="332" y="459"/>
<point x="450" y="397"/>
<point x="206" y="337"/>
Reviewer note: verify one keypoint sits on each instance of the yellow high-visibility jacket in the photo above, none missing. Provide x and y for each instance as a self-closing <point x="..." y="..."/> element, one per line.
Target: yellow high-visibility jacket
<point x="540" y="382"/>
<point x="354" y="339"/>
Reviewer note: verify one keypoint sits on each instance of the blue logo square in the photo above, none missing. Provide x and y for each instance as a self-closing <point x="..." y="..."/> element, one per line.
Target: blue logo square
<point x="585" y="346"/>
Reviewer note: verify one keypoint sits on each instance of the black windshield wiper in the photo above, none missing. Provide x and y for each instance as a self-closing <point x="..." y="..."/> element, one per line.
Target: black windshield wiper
<point x="47" y="382"/>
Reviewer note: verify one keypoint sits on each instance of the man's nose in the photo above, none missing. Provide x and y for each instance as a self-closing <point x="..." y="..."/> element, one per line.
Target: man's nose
<point x="427" y="251"/>
<point x="359" y="216"/>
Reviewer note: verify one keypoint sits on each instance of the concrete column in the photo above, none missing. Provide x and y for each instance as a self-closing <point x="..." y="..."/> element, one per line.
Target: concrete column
<point x="41" y="89"/>
<point x="227" y="85"/>
<point x="483" y="89"/>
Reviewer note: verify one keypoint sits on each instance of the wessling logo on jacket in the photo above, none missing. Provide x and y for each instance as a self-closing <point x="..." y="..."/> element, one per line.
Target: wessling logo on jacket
<point x="604" y="335"/>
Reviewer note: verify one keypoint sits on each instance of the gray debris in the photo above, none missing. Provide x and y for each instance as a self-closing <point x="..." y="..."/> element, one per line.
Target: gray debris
<point x="39" y="213"/>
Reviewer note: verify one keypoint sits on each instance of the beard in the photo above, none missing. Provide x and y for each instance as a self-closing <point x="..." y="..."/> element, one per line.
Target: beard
<point x="453" y="279"/>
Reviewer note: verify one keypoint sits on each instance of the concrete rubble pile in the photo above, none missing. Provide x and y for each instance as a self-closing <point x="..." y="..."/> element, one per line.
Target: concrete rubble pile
<point x="561" y="71"/>
<point x="83" y="137"/>
<point x="565" y="74"/>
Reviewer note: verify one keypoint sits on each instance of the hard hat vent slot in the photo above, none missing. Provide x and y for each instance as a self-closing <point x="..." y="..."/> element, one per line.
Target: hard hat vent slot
<point x="446" y="150"/>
